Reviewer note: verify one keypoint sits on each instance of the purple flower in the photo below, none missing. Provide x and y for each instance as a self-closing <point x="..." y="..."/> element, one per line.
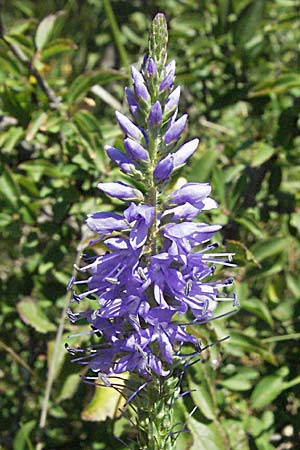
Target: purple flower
<point x="140" y="90"/>
<point x="133" y="106"/>
<point x="120" y="190"/>
<point x="139" y="356"/>
<point x="173" y="161"/>
<point x="142" y="216"/>
<point x="185" y="152"/>
<point x="164" y="168"/>
<point x="144" y="62"/>
<point x="128" y="127"/>
<point x="154" y="277"/>
<point x="106" y="222"/>
<point x="118" y="157"/>
<point x="175" y="130"/>
<point x="196" y="194"/>
<point x="151" y="69"/>
<point x="155" y="115"/>
<point x="185" y="211"/>
<point x="191" y="192"/>
<point x="172" y="100"/>
<point x="168" y="80"/>
<point x="195" y="231"/>
<point x="135" y="150"/>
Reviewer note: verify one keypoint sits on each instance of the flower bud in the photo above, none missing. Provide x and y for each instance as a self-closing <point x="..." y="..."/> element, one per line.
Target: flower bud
<point x="140" y="90"/>
<point x="175" y="130"/>
<point x="119" y="158"/>
<point x="135" y="150"/>
<point x="168" y="80"/>
<point x="128" y="127"/>
<point x="155" y="115"/>
<point x="133" y="106"/>
<point x="172" y="100"/>
<point x="151" y="69"/>
<point x="120" y="190"/>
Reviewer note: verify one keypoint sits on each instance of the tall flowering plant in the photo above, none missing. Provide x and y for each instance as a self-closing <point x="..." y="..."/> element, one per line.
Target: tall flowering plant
<point x="155" y="278"/>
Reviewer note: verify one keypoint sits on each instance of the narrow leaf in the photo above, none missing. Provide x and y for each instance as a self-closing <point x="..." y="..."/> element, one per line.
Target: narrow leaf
<point x="83" y="83"/>
<point x="45" y="29"/>
<point x="22" y="441"/>
<point x="34" y="125"/>
<point x="32" y="315"/>
<point x="248" y="22"/>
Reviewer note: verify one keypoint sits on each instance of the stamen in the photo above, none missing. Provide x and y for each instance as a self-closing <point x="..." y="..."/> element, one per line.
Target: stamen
<point x="188" y="287"/>
<point x="112" y="280"/>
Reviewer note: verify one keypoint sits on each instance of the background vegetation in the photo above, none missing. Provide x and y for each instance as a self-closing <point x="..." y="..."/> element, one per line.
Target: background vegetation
<point x="63" y="69"/>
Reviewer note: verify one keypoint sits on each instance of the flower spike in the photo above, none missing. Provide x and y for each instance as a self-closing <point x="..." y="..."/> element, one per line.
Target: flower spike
<point x="154" y="277"/>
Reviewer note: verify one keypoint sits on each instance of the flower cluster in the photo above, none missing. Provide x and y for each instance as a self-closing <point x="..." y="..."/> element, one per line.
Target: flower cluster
<point x="155" y="278"/>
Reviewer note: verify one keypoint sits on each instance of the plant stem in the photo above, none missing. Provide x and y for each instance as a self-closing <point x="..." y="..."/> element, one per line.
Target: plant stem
<point x="116" y="33"/>
<point x="50" y="378"/>
<point x="156" y="414"/>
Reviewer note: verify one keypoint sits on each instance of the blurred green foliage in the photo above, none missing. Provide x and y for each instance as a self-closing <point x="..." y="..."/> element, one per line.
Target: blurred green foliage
<point x="63" y="68"/>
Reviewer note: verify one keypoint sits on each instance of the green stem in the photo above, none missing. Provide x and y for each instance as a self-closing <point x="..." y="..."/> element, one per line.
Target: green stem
<point x="155" y="411"/>
<point x="116" y="33"/>
<point x="50" y="378"/>
<point x="156" y="415"/>
<point x="285" y="337"/>
<point x="155" y="401"/>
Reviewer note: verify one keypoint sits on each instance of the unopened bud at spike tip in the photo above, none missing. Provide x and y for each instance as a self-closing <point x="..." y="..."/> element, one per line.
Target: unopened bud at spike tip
<point x="158" y="40"/>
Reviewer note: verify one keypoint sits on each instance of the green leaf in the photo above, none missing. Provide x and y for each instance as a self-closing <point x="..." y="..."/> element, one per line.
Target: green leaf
<point x="201" y="393"/>
<point x="9" y="187"/>
<point x="293" y="284"/>
<point x="39" y="167"/>
<point x="22" y="440"/>
<point x="295" y="221"/>
<point x="248" y="22"/>
<point x="282" y="337"/>
<point x="83" y="83"/>
<point x="252" y="226"/>
<point x="34" y="125"/>
<point x="61" y="277"/>
<point x="237" y="383"/>
<point x="242" y="255"/>
<point x="23" y="43"/>
<point x="266" y="391"/>
<point x="45" y="30"/>
<point x="31" y="313"/>
<point x="60" y="355"/>
<point x="88" y="125"/>
<point x="257" y="307"/>
<point x="69" y="387"/>
<point x="281" y="84"/>
<point x="206" y="436"/>
<point x="242" y="381"/>
<point x="261" y="428"/>
<point x="104" y="404"/>
<point x="223" y="11"/>
<point x="117" y="35"/>
<point x="57" y="47"/>
<point x="20" y="26"/>
<point x="91" y="134"/>
<point x="270" y="247"/>
<point x="242" y="341"/>
<point x="236" y="434"/>
<point x="262" y="153"/>
<point x="28" y="184"/>
<point x="11" y="138"/>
